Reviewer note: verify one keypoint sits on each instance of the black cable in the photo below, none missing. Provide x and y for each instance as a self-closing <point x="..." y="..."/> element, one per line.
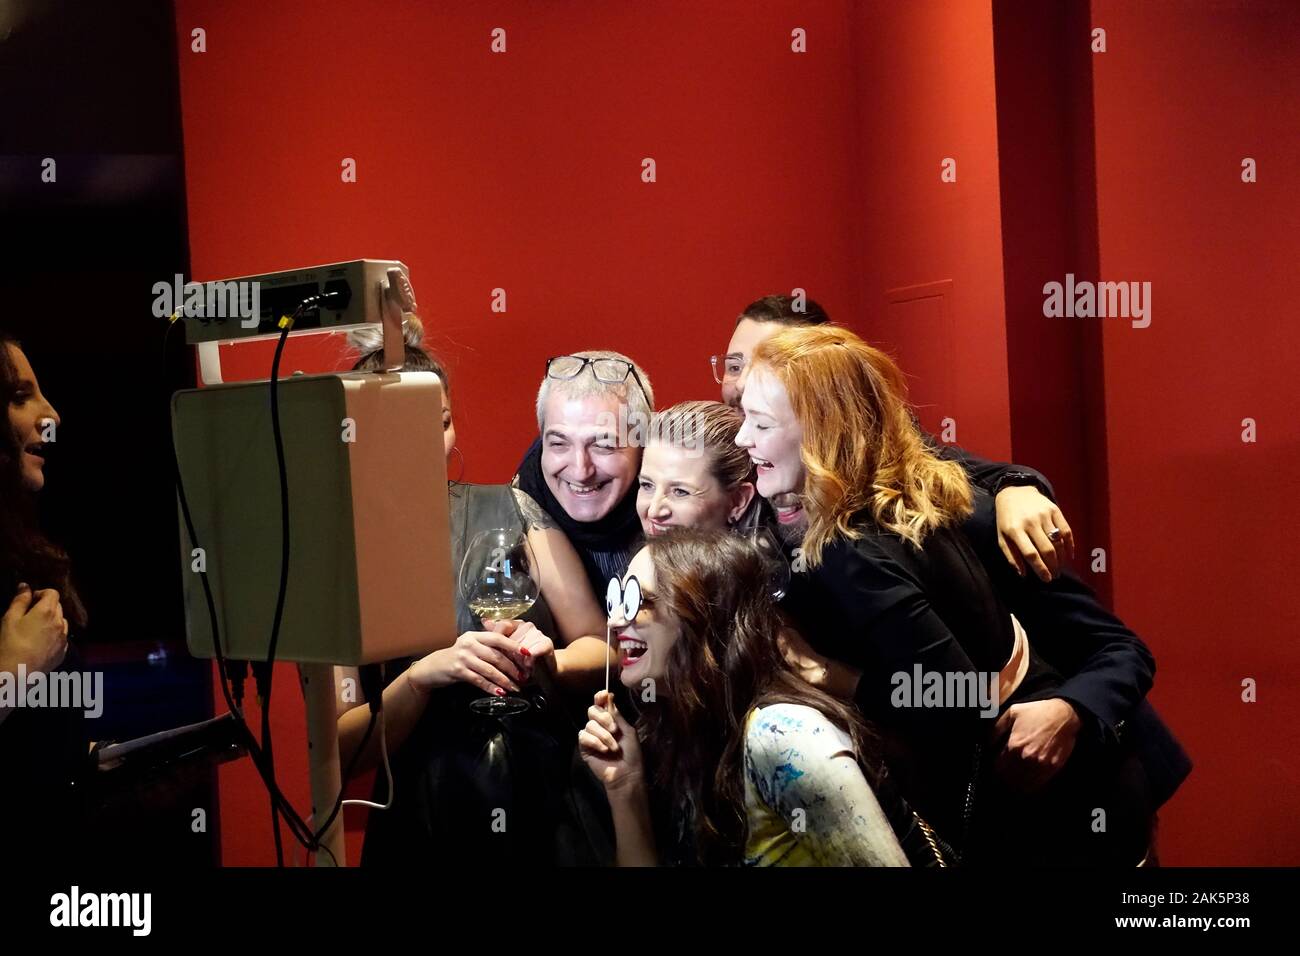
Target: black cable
<point x="237" y="673"/>
<point x="278" y="435"/>
<point x="262" y="679"/>
<point x="284" y="572"/>
<point x="275" y="833"/>
<point x="347" y="774"/>
<point x="297" y="823"/>
<point x="301" y="831"/>
<point x="298" y="827"/>
<point x="262" y="759"/>
<point x="373" y="686"/>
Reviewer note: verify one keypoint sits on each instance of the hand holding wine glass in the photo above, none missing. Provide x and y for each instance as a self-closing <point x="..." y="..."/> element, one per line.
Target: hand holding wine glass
<point x="498" y="584"/>
<point x="486" y="659"/>
<point x="532" y="646"/>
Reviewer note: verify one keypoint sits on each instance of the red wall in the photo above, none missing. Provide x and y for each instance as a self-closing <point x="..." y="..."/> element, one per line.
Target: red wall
<point x="821" y="170"/>
<point x="521" y="171"/>
<point x="1049" y="229"/>
<point x="1202" y="524"/>
<point x="925" y="91"/>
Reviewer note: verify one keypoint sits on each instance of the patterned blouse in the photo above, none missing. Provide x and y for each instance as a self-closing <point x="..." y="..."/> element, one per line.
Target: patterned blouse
<point x="806" y="799"/>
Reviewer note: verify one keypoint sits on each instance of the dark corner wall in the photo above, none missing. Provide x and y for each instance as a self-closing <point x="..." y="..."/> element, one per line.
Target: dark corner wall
<point x="1048" y="205"/>
<point x="93" y="87"/>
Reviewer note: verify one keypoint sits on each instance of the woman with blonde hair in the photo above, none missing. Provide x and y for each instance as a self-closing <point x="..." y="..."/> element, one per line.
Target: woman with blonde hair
<point x="886" y="582"/>
<point x="692" y="472"/>
<point x="694" y="475"/>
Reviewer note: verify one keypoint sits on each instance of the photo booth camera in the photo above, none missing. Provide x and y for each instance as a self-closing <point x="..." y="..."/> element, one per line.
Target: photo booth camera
<point x="370" y="576"/>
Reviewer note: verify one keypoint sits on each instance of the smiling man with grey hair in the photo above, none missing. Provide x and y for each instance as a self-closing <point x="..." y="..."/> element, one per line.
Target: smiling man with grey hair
<point x="593" y="408"/>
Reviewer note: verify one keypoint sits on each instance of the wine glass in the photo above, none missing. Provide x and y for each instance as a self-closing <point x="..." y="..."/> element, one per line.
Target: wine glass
<point x="498" y="583"/>
<point x="778" y="568"/>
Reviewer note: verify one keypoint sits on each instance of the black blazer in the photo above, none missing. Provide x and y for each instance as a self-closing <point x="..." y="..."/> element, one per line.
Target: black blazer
<point x="1107" y="668"/>
<point x="884" y="606"/>
<point x="903" y="615"/>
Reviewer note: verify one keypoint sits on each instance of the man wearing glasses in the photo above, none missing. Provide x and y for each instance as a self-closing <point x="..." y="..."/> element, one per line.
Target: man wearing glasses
<point x="593" y="409"/>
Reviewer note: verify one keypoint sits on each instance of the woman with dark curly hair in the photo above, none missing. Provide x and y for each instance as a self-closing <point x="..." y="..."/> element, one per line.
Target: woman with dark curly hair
<point x="755" y="765"/>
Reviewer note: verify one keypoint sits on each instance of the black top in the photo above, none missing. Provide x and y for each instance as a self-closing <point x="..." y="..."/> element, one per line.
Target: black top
<point x="873" y="600"/>
<point x="44" y="766"/>
<point x="888" y="608"/>
<point x="992" y="476"/>
<point x="884" y="606"/>
<point x="1108" y="669"/>
<point x="478" y="508"/>
<point x="471" y="789"/>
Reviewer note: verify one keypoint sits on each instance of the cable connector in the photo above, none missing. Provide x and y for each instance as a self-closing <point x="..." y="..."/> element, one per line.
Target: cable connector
<point x="262" y="681"/>
<point x="372" y="685"/>
<point x="236" y="673"/>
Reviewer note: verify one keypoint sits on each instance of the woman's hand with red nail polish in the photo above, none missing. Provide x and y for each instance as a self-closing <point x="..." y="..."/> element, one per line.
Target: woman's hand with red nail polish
<point x="534" y="646"/>
<point x="485" y="659"/>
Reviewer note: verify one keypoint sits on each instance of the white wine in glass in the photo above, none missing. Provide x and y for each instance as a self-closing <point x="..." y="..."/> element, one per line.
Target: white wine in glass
<point x="498" y="583"/>
<point x="499" y="608"/>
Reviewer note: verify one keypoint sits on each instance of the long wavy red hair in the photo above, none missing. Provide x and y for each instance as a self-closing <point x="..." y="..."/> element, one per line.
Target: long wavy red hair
<point x="861" y="450"/>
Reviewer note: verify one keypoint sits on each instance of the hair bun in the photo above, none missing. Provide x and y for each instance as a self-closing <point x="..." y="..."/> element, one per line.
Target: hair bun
<point x="370" y="338"/>
<point x="413" y="330"/>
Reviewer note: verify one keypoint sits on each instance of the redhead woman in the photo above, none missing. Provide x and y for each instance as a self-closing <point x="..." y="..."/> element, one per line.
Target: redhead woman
<point x="887" y="583"/>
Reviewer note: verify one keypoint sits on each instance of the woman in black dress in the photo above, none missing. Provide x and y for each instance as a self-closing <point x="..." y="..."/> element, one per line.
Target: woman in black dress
<point x="885" y="582"/>
<point x="472" y="789"/>
<point x="43" y="751"/>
